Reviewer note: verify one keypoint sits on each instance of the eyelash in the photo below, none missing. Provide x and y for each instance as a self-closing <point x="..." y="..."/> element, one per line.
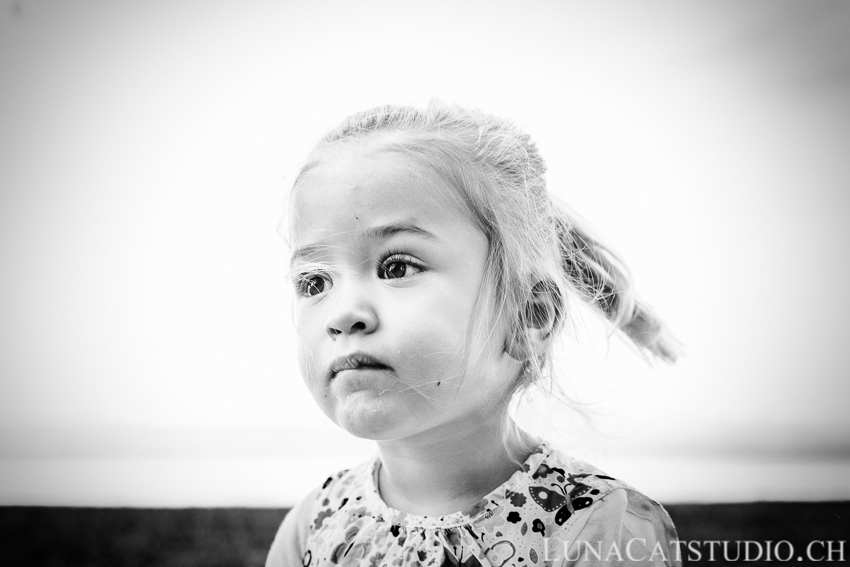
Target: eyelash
<point x="398" y="258"/>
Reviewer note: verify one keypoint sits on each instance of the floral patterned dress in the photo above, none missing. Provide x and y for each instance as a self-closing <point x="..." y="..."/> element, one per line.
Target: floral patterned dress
<point x="554" y="511"/>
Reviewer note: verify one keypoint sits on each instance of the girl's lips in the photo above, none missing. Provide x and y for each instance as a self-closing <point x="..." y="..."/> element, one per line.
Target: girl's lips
<point x="355" y="361"/>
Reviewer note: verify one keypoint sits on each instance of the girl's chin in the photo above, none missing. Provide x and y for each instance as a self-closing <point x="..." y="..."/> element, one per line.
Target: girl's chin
<point x="377" y="421"/>
<point x="375" y="429"/>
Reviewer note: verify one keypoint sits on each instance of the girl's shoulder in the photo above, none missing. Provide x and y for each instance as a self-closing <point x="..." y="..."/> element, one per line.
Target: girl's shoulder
<point x="291" y="545"/>
<point x="587" y="512"/>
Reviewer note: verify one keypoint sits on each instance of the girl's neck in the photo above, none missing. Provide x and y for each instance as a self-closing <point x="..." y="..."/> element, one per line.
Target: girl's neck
<point x="436" y="477"/>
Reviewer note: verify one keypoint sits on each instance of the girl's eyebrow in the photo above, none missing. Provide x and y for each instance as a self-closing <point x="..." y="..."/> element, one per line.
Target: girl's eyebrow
<point x="372" y="233"/>
<point x="379" y="232"/>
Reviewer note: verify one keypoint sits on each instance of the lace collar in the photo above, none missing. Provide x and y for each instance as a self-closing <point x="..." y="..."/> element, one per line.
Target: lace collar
<point x="483" y="508"/>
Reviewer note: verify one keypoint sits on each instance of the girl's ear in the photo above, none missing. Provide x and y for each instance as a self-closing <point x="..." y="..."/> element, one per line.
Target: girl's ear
<point x="535" y="325"/>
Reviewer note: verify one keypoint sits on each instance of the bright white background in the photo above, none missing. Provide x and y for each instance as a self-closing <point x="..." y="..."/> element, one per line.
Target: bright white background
<point x="146" y="355"/>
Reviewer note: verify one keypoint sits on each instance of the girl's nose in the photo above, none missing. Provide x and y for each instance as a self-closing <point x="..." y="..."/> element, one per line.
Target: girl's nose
<point x="351" y="315"/>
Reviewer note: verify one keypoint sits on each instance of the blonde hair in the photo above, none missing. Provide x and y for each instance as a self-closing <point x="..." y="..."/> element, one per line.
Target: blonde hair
<point x="537" y="247"/>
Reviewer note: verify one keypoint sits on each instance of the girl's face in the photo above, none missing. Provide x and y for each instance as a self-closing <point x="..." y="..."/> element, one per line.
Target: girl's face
<point x="387" y="274"/>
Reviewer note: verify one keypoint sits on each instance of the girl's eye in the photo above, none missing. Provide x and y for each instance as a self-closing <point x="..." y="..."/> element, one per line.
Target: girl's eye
<point x="311" y="285"/>
<point x="394" y="268"/>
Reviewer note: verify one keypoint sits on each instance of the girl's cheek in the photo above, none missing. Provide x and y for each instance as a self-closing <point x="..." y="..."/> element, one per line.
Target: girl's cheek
<point x="302" y="361"/>
<point x="305" y="361"/>
<point x="305" y="329"/>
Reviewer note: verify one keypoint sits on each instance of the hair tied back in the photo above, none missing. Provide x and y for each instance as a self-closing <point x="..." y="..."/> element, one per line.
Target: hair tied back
<point x="601" y="278"/>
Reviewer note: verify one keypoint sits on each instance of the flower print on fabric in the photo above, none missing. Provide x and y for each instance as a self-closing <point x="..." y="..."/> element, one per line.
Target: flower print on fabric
<point x="516" y="499"/>
<point x="351" y="525"/>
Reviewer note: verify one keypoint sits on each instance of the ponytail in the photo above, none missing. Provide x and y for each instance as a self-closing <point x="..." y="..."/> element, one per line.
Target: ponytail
<point x="601" y="278"/>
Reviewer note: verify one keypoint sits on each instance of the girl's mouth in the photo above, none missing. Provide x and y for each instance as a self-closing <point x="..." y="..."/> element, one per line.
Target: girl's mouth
<point x="356" y="361"/>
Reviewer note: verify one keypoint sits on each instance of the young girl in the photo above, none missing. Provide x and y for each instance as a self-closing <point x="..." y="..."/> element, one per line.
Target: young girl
<point x="432" y="273"/>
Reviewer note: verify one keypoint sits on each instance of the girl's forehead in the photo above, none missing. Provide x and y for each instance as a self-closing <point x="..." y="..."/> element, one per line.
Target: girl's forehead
<point x="344" y="187"/>
<point x="358" y="164"/>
